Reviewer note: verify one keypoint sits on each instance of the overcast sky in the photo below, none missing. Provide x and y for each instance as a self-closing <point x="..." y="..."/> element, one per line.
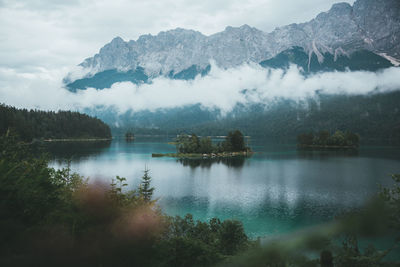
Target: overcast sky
<point x="41" y="40"/>
<point x="37" y="34"/>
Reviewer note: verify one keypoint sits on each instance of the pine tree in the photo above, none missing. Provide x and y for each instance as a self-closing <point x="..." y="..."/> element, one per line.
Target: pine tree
<point x="145" y="190"/>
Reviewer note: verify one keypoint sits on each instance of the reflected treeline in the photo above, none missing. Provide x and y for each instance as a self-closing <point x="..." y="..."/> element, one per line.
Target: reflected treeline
<point x="72" y="150"/>
<point x="235" y="162"/>
<point x="325" y="154"/>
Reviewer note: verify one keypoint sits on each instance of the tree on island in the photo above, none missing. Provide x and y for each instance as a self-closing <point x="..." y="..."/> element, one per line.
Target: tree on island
<point x="235" y="142"/>
<point x="206" y="145"/>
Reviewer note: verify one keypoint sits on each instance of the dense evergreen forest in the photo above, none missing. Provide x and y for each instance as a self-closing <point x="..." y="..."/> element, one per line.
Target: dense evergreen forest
<point x="36" y="124"/>
<point x="325" y="139"/>
<point x="374" y="117"/>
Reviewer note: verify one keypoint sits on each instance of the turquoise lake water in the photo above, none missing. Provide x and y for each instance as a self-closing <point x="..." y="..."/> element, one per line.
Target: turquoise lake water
<point x="276" y="191"/>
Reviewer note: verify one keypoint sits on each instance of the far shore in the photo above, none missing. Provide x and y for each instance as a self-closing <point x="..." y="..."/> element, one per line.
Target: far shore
<point x="319" y="147"/>
<point x="77" y="140"/>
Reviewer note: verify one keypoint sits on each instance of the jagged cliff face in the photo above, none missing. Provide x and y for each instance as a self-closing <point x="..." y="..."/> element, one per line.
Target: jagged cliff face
<point x="179" y="49"/>
<point x="373" y="25"/>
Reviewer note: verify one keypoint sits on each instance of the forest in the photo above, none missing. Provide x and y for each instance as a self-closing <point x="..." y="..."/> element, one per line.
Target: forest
<point x="374" y="117"/>
<point x="325" y="139"/>
<point x="36" y="124"/>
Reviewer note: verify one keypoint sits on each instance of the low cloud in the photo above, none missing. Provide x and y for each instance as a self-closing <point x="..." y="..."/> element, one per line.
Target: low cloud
<point x="221" y="89"/>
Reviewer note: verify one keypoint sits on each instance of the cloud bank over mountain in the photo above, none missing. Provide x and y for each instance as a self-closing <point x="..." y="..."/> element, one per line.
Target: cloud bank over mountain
<point x="220" y="89"/>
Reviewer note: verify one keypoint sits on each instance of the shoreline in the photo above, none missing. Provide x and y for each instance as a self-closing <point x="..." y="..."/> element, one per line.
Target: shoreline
<point x="76" y="140"/>
<point x="202" y="156"/>
<point x="319" y="147"/>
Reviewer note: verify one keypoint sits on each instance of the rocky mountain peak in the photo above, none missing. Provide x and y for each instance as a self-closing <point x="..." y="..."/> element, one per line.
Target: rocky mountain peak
<point x="340" y="7"/>
<point x="373" y="25"/>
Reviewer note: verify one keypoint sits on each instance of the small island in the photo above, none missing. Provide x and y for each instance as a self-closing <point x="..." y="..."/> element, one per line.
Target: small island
<point x="324" y="140"/>
<point x="191" y="146"/>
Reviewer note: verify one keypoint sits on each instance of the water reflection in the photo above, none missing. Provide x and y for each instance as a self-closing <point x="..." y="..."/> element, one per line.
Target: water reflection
<point x="269" y="217"/>
<point x="277" y="190"/>
<point x="75" y="151"/>
<point x="234" y="162"/>
<point x="326" y="154"/>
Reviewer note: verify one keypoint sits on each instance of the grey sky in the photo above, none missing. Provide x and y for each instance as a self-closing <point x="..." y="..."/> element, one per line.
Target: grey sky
<point x="58" y="33"/>
<point x="42" y="40"/>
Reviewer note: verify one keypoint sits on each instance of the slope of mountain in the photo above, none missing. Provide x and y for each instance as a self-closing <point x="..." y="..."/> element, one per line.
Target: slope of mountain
<point x="107" y="78"/>
<point x="375" y="117"/>
<point x="368" y="25"/>
<point x="364" y="36"/>
<point x="358" y="60"/>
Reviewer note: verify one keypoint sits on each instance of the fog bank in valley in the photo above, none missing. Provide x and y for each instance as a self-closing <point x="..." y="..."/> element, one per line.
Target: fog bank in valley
<point x="221" y="89"/>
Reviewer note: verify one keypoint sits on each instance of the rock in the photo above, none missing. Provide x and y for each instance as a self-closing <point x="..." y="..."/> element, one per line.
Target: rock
<point x="373" y="25"/>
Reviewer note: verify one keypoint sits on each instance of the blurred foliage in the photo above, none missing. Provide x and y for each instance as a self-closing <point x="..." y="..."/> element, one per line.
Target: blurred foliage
<point x="54" y="217"/>
<point x="392" y="197"/>
<point x="351" y="240"/>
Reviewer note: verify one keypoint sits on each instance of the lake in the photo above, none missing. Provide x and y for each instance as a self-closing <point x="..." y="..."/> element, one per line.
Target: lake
<point x="277" y="190"/>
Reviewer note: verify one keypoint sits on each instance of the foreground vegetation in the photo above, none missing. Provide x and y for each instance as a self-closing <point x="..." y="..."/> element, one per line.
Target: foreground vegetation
<point x="36" y="124"/>
<point x="54" y="217"/>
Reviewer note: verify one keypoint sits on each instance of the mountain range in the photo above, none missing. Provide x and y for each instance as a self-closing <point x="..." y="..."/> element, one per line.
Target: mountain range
<point x="362" y="36"/>
<point x="369" y="26"/>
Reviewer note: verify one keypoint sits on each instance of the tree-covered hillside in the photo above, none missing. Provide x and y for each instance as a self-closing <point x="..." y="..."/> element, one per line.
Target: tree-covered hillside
<point x="107" y="78"/>
<point x="373" y="117"/>
<point x="358" y="60"/>
<point x="31" y="124"/>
